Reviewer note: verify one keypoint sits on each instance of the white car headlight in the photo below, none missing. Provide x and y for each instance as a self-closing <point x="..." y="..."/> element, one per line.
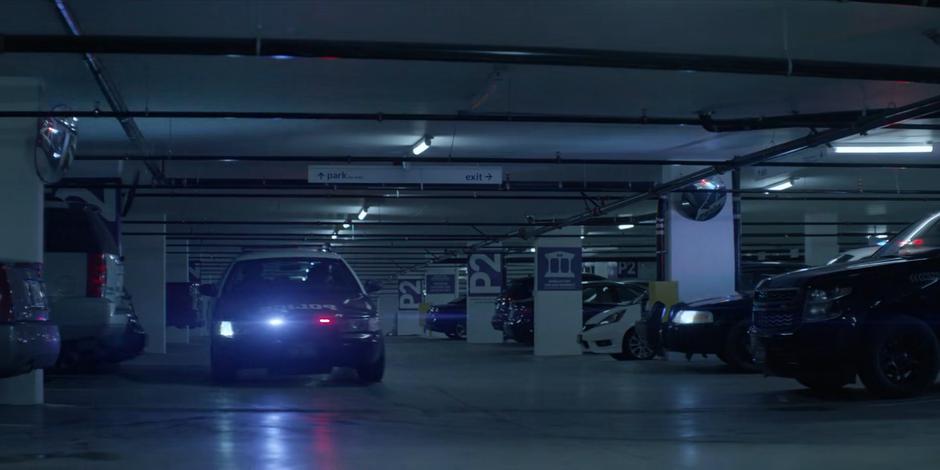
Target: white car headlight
<point x="690" y="317"/>
<point x="613" y="317"/>
<point x="226" y="330"/>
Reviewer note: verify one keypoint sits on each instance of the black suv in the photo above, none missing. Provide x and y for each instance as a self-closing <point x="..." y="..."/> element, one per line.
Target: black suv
<point x="877" y="319"/>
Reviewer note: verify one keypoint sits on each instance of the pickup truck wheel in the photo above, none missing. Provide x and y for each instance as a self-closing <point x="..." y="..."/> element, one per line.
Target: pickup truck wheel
<point x="737" y="351"/>
<point x="222" y="370"/>
<point x="372" y="372"/>
<point x="900" y="358"/>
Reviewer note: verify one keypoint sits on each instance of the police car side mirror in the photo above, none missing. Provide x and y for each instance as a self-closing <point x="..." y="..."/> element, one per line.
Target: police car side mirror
<point x="373" y="287"/>
<point x="208" y="290"/>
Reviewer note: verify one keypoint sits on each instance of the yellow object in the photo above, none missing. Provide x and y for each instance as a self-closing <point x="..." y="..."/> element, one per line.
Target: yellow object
<point x="666" y="292"/>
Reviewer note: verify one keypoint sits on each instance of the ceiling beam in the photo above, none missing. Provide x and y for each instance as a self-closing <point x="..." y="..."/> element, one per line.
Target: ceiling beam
<point x="469" y="53"/>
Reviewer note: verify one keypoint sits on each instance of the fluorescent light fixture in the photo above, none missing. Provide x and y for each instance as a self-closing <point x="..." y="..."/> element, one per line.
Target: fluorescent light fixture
<point x="625" y="226"/>
<point x="531" y="250"/>
<point x="363" y="213"/>
<point x="334" y="236"/>
<point x="582" y="237"/>
<point x="781" y="186"/>
<point x="882" y="236"/>
<point x="276" y="321"/>
<point x="900" y="148"/>
<point x="422" y="145"/>
<point x="347" y="223"/>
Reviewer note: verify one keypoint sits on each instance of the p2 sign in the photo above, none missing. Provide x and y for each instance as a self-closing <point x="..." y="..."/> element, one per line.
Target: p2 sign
<point x="485" y="274"/>
<point x="409" y="294"/>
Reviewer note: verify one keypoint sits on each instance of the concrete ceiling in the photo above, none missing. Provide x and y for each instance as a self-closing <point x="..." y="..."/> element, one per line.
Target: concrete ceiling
<point x="823" y="30"/>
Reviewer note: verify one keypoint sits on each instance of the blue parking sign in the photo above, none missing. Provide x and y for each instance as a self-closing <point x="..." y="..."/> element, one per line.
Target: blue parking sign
<point x="559" y="269"/>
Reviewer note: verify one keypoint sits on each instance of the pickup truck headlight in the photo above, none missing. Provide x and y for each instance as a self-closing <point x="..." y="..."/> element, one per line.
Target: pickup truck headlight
<point x="691" y="317"/>
<point x="820" y="303"/>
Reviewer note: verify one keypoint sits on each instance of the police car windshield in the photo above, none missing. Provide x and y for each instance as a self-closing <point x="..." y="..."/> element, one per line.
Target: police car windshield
<point x="280" y="274"/>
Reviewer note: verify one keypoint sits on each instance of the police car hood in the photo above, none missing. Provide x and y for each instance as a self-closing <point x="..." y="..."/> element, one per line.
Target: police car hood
<point x="250" y="305"/>
<point x="855" y="268"/>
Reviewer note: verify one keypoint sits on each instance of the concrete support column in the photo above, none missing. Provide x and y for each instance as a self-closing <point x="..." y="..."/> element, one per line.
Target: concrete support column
<point x="819" y="248"/>
<point x="145" y="280"/>
<point x="558" y="293"/>
<point x="700" y="253"/>
<point x="177" y="271"/>
<point x="21" y="204"/>
<point x="484" y="284"/>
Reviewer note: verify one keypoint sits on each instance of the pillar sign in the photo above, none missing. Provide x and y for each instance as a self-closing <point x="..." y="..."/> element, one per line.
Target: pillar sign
<point x="559" y="268"/>
<point x="441" y="283"/>
<point x="484" y="285"/>
<point x="485" y="274"/>
<point x="409" y="293"/>
<point x="409" y="300"/>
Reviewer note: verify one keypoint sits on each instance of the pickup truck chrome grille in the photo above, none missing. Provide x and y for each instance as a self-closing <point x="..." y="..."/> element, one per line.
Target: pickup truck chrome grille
<point x="777" y="309"/>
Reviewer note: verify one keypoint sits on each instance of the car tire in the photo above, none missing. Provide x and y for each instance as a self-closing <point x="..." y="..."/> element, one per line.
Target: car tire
<point x="900" y="358"/>
<point x="737" y="349"/>
<point x="460" y="331"/>
<point x="223" y="371"/>
<point x="634" y="348"/>
<point x="821" y="382"/>
<point x="372" y="372"/>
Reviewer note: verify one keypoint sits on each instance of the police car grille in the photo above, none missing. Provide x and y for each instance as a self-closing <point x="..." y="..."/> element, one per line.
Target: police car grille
<point x="777" y="309"/>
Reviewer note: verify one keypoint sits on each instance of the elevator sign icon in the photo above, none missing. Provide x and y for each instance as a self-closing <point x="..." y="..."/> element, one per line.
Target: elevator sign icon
<point x="559" y="268"/>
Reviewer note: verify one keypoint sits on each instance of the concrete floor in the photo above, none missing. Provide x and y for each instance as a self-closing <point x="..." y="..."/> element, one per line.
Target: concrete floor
<point x="447" y="404"/>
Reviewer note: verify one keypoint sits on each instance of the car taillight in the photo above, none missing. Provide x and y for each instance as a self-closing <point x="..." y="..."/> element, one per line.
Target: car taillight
<point x="97" y="275"/>
<point x="6" y="297"/>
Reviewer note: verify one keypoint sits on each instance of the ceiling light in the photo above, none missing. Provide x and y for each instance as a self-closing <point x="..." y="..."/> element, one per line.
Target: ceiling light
<point x="363" y="213"/>
<point x="582" y="237"/>
<point x="347" y="223"/>
<point x="531" y="250"/>
<point x="625" y="226"/>
<point x="918" y="148"/>
<point x="334" y="236"/>
<point x="882" y="236"/>
<point x="781" y="186"/>
<point x="422" y="145"/>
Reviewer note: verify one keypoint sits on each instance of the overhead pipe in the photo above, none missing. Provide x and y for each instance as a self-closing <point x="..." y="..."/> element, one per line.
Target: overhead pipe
<point x="705" y="120"/>
<point x="469" y="53"/>
<point x="110" y="91"/>
<point x="348" y="159"/>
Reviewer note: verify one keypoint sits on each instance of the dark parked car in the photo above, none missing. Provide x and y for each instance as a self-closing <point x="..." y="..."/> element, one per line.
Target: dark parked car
<point x="876" y="318"/>
<point x="28" y="340"/>
<point x="597" y="296"/>
<point x="449" y="318"/>
<point x="520" y="290"/>
<point x="294" y="312"/>
<point x="716" y="326"/>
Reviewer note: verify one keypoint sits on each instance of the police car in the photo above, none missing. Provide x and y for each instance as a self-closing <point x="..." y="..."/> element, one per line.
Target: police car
<point x="294" y="312"/>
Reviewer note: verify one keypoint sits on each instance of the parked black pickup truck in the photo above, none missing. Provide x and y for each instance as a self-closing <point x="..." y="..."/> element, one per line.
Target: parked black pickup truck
<point x="877" y="319"/>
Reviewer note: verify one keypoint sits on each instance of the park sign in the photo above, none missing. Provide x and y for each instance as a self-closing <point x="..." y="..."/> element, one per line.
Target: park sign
<point x="423" y="174"/>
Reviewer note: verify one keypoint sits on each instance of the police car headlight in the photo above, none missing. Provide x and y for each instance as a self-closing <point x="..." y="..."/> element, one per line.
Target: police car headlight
<point x="226" y="330"/>
<point x="692" y="317"/>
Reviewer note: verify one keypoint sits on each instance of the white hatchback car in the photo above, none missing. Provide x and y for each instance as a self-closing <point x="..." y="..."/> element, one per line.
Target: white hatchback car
<point x="612" y="332"/>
